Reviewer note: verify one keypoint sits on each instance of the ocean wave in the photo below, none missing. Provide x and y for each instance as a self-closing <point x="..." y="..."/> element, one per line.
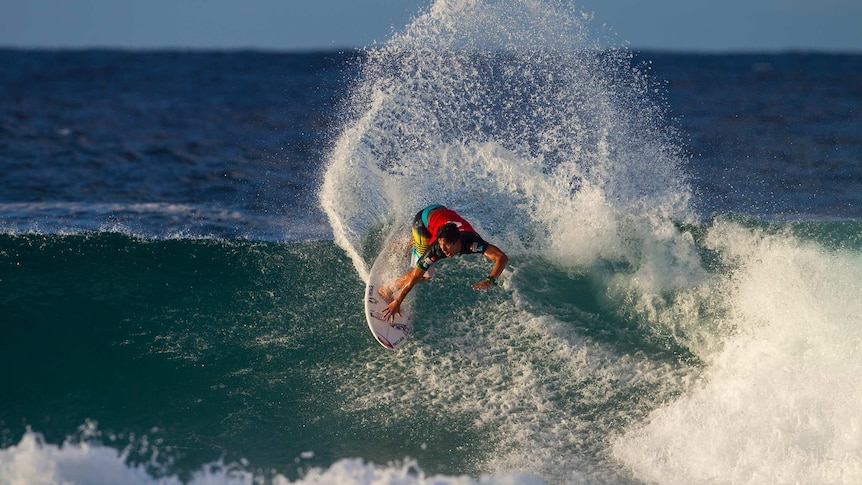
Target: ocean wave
<point x="33" y="462"/>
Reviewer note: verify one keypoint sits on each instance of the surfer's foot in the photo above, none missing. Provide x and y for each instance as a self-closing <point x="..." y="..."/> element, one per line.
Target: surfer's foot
<point x="386" y="293"/>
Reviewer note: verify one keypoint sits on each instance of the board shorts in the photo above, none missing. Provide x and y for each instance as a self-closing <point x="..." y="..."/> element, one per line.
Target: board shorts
<point x="422" y="237"/>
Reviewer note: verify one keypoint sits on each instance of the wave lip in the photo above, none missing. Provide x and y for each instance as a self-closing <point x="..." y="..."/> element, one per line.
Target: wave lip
<point x="155" y="220"/>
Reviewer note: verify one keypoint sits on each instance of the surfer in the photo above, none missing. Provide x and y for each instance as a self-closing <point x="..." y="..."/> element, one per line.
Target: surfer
<point x="440" y="233"/>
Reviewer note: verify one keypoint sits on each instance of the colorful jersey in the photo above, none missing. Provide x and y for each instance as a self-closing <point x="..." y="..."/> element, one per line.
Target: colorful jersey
<point x="439" y="216"/>
<point x="425" y="226"/>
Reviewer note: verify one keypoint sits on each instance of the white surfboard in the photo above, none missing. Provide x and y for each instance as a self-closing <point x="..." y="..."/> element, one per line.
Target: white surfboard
<point x="391" y="263"/>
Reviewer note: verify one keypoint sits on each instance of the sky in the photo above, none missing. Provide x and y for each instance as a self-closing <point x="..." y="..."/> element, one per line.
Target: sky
<point x="302" y="25"/>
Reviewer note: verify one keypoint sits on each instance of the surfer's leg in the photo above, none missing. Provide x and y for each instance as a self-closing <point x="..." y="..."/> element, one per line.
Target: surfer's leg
<point x="387" y="292"/>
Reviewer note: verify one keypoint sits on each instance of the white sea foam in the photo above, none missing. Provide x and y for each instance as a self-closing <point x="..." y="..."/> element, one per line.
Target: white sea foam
<point x="32" y="462"/>
<point x="781" y="402"/>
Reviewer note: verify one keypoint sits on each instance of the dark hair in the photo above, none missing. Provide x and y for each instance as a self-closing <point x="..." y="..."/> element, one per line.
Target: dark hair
<point x="449" y="232"/>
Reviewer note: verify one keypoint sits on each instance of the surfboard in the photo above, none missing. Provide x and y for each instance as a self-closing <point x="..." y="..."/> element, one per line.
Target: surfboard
<point x="391" y="263"/>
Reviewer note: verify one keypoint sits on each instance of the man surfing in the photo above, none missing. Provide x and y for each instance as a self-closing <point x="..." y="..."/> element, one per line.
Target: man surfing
<point x="440" y="233"/>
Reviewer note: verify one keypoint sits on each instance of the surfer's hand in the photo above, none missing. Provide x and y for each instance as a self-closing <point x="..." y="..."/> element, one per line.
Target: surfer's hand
<point x="484" y="284"/>
<point x="394" y="308"/>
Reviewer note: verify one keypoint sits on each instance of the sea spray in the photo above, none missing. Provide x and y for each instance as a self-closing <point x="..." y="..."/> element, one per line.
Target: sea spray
<point x="509" y="113"/>
<point x="557" y="150"/>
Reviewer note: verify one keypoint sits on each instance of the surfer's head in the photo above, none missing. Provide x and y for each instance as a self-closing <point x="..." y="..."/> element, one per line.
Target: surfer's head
<point x="449" y="239"/>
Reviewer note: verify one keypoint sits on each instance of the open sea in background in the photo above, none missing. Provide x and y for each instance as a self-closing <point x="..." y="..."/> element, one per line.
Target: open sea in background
<point x="184" y="237"/>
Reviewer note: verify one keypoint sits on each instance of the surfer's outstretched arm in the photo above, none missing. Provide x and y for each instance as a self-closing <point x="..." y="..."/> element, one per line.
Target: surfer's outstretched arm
<point x="500" y="260"/>
<point x="409" y="281"/>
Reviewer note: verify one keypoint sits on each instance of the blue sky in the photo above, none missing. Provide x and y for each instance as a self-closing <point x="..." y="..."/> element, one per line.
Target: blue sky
<point x="682" y="25"/>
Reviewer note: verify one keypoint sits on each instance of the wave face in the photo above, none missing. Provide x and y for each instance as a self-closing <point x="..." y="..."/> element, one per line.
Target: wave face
<point x="223" y="361"/>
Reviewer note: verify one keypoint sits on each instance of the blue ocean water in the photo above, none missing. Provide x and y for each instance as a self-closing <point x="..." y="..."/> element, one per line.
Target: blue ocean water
<point x="185" y="237"/>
